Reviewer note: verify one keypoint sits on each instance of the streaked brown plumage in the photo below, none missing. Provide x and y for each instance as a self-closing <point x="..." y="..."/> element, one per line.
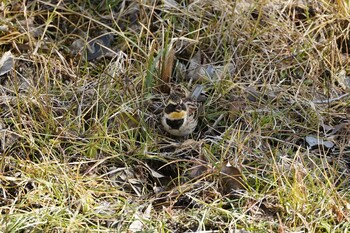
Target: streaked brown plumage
<point x="180" y="116"/>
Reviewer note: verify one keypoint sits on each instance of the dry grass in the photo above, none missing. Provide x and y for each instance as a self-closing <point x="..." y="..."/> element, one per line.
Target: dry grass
<point x="82" y="149"/>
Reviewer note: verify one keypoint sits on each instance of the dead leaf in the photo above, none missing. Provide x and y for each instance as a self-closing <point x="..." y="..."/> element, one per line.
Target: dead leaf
<point x="154" y="173"/>
<point x="194" y="68"/>
<point x="196" y="171"/>
<point x="7" y="137"/>
<point x="315" y="142"/>
<point x="237" y="105"/>
<point x="6" y="63"/>
<point x="167" y="69"/>
<point x="334" y="129"/>
<point x="169" y="4"/>
<point x="130" y="178"/>
<point x="28" y="25"/>
<point x="4" y="28"/>
<point x="343" y="79"/>
<point x="219" y="72"/>
<point x="340" y="213"/>
<point x="93" y="49"/>
<point x="231" y="179"/>
<point x="128" y="121"/>
<point x="137" y="224"/>
<point x="258" y="96"/>
<point x="131" y="121"/>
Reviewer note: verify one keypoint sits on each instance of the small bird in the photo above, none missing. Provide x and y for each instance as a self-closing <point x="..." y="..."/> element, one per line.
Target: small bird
<point x="180" y="116"/>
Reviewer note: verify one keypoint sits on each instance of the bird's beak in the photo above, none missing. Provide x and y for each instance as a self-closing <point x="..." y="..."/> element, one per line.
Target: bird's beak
<point x="178" y="108"/>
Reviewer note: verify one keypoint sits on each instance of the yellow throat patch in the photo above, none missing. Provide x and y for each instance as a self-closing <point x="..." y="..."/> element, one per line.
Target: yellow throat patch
<point x="177" y="115"/>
